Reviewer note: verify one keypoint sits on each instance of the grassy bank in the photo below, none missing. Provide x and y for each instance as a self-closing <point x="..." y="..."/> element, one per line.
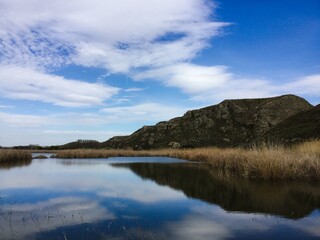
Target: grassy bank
<point x="298" y="162"/>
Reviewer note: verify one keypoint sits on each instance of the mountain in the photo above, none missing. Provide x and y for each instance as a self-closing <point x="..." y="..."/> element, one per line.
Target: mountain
<point x="227" y="124"/>
<point x="297" y="128"/>
<point x="81" y="143"/>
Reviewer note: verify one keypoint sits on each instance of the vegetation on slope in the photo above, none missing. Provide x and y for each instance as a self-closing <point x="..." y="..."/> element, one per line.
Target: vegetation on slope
<point x="231" y="123"/>
<point x="297" y="128"/>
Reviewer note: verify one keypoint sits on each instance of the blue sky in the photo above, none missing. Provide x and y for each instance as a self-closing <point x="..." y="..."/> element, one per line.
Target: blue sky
<point x="92" y="70"/>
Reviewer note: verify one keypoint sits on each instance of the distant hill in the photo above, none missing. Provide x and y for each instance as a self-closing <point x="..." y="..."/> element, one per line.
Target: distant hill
<point x="297" y="128"/>
<point x="77" y="145"/>
<point x="227" y="124"/>
<point x="82" y="144"/>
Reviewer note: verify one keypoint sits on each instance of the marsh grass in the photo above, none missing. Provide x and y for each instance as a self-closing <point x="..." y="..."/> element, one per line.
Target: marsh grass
<point x="14" y="155"/>
<point x="297" y="162"/>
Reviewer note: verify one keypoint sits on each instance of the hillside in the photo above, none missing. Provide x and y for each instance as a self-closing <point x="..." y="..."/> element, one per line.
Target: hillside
<point x="297" y="128"/>
<point x="229" y="123"/>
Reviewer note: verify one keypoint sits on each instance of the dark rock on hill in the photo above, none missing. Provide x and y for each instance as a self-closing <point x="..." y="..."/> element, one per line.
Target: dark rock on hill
<point x="229" y="123"/>
<point x="297" y="128"/>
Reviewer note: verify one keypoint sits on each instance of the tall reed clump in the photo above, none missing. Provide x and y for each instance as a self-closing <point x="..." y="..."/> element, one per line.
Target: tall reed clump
<point x="298" y="162"/>
<point x="14" y="156"/>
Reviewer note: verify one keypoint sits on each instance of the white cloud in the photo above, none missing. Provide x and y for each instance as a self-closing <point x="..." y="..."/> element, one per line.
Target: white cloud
<point x="308" y="85"/>
<point x="116" y="35"/>
<point x="28" y="84"/>
<point x="191" y="78"/>
<point x="41" y="136"/>
<point x="144" y="111"/>
<point x="58" y="120"/>
<point x="133" y="89"/>
<point x="216" y="83"/>
<point x="238" y="89"/>
<point x="52" y="129"/>
<point x="21" y="120"/>
<point x="208" y="83"/>
<point x="63" y="127"/>
<point x="157" y="36"/>
<point x="6" y="106"/>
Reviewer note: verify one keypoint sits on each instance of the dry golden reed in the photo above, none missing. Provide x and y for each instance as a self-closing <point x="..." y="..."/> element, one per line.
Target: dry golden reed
<point x="14" y="155"/>
<point x="298" y="162"/>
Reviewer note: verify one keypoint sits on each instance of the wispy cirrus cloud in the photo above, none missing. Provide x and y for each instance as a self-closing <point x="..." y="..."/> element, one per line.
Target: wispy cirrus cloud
<point x="144" y="39"/>
<point x="115" y="35"/>
<point x="118" y="36"/>
<point x="156" y="43"/>
<point x="28" y="84"/>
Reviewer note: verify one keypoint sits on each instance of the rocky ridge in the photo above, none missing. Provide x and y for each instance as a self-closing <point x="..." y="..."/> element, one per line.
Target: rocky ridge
<point x="230" y="123"/>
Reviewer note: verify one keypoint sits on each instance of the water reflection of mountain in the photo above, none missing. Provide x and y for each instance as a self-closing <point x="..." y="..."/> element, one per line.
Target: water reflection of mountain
<point x="287" y="199"/>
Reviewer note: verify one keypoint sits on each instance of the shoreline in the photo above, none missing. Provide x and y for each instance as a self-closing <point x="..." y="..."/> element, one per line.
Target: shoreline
<point x="300" y="162"/>
<point x="269" y="163"/>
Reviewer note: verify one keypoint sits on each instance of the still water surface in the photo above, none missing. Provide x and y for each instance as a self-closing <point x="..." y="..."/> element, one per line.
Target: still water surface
<point x="149" y="198"/>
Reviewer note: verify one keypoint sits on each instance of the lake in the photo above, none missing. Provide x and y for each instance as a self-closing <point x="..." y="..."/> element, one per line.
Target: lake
<point x="149" y="198"/>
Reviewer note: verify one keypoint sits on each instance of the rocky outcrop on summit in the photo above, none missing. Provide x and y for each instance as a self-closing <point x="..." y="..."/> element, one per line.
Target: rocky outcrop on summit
<point x="229" y="123"/>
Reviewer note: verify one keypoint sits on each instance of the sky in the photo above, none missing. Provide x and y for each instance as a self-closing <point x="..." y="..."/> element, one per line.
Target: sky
<point x="95" y="69"/>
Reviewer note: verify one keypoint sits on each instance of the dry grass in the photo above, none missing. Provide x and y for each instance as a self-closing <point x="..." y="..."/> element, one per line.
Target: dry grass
<point x="105" y="153"/>
<point x="14" y="155"/>
<point x="298" y="162"/>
